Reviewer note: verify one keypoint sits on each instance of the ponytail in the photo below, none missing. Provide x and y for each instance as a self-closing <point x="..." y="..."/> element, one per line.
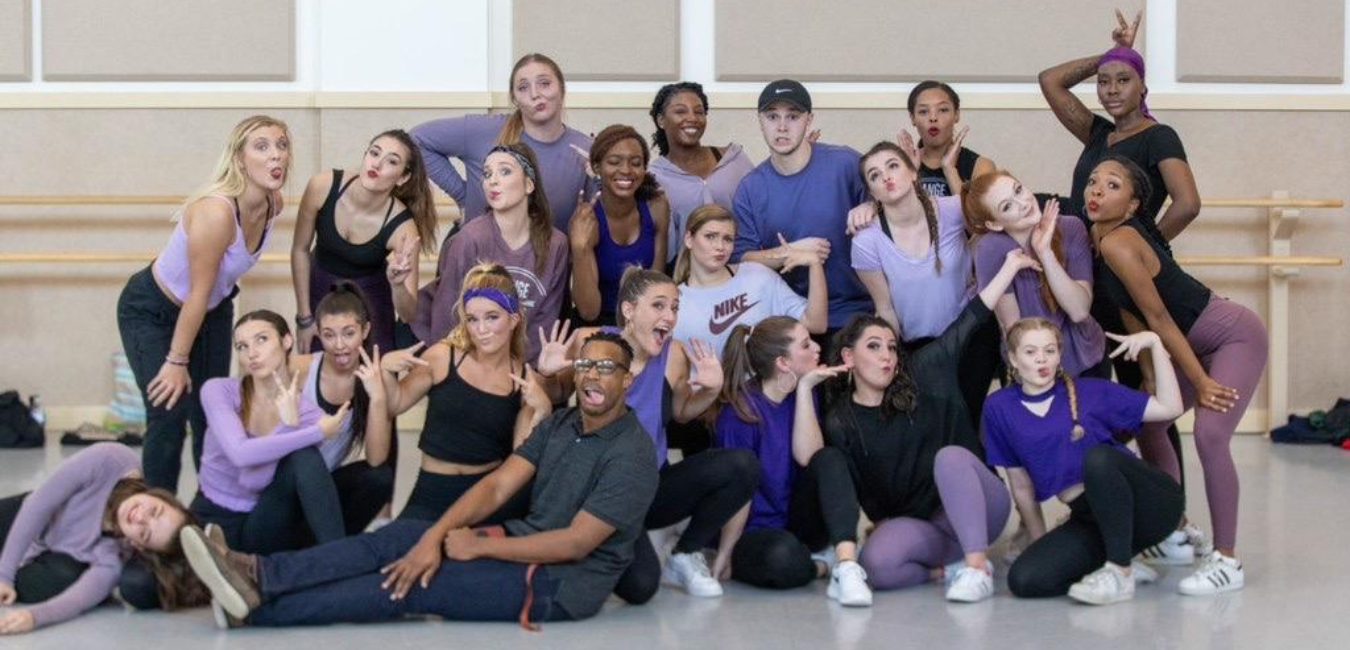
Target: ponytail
<point x="736" y="372"/>
<point x="752" y="354"/>
<point x="415" y="193"/>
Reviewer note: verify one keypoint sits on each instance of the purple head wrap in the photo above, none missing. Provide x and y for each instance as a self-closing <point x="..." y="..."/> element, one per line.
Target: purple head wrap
<point x="1132" y="59"/>
<point x="495" y="295"/>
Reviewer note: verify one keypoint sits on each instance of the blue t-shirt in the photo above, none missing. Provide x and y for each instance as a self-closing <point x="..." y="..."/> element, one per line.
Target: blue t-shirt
<point x="1043" y="445"/>
<point x="813" y="202"/>
<point x="771" y="441"/>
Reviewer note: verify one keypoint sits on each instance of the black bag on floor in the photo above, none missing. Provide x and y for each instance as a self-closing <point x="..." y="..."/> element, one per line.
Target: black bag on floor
<point x="18" y="429"/>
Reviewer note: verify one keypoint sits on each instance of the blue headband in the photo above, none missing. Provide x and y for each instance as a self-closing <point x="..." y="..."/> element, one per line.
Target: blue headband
<point x="495" y="295"/>
<point x="520" y="158"/>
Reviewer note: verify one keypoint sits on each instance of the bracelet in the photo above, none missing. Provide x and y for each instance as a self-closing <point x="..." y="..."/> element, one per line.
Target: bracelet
<point x="171" y="359"/>
<point x="304" y="321"/>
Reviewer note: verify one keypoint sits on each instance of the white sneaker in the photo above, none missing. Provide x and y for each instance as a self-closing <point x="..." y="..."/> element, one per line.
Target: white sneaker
<point x="1217" y="574"/>
<point x="1199" y="539"/>
<point x="826" y="557"/>
<point x="1174" y="550"/>
<point x="690" y="571"/>
<point x="1104" y="586"/>
<point x="848" y="585"/>
<point x="1143" y="573"/>
<point x="971" y="585"/>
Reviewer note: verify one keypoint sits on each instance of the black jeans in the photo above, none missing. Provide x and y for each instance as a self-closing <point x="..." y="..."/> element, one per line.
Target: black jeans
<point x="363" y="491"/>
<point x="46" y="575"/>
<point x="1126" y="506"/>
<point x="708" y="489"/>
<point x="823" y="511"/>
<point x="300" y="504"/>
<point x="146" y="319"/>
<point x="433" y="494"/>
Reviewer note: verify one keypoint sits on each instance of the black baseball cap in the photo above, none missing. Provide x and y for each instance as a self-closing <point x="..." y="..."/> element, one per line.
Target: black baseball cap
<point x="785" y="90"/>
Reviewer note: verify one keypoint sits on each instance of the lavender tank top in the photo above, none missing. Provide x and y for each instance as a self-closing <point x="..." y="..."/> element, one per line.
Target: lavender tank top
<point x="334" y="450"/>
<point x="171" y="267"/>
<point x="650" y="398"/>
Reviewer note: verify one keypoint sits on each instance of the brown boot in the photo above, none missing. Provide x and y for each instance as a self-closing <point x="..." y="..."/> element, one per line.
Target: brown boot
<point x="229" y="575"/>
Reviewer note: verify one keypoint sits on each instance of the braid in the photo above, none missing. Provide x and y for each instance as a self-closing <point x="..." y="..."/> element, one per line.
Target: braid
<point x="1078" y="431"/>
<point x="929" y="214"/>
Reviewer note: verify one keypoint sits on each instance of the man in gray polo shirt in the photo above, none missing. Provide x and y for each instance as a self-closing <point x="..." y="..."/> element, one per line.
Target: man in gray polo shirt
<point x="594" y="479"/>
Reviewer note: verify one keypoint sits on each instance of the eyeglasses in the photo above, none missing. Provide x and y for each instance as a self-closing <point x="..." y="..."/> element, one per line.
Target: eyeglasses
<point x="602" y="366"/>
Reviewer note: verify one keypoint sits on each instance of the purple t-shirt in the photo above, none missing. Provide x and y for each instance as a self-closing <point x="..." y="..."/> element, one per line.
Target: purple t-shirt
<point x="65" y="515"/>
<point x="687" y="192"/>
<point x="481" y="240"/>
<point x="1084" y="342"/>
<point x="771" y="440"/>
<point x="925" y="301"/>
<point x="471" y="137"/>
<point x="1043" y="446"/>
<point x="813" y="202"/>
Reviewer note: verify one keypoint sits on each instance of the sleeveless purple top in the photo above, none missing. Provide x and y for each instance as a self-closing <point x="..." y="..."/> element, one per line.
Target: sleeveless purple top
<point x="171" y="267"/>
<point x="650" y="398"/>
<point x="611" y="258"/>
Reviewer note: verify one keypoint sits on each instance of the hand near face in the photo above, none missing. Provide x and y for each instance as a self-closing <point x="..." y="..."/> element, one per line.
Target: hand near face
<point x="583" y="230"/>
<point x="907" y="145"/>
<point x="1124" y="32"/>
<point x="287" y="398"/>
<point x="554" y="347"/>
<point x="953" y="152"/>
<point x="1017" y="259"/>
<point x="532" y="393"/>
<point x="399" y="263"/>
<point x="403" y="360"/>
<point x="818" y="376"/>
<point x="706" y="368"/>
<point x="368" y="373"/>
<point x="1043" y="236"/>
<point x="1133" y="344"/>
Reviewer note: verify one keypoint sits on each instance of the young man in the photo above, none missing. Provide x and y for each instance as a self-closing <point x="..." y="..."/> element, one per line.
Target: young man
<point x="794" y="206"/>
<point x="594" y="480"/>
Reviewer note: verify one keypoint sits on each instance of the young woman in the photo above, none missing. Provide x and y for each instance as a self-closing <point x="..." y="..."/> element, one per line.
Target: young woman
<point x="538" y="91"/>
<point x="346" y="371"/>
<point x="1003" y="214"/>
<point x="518" y="234"/>
<point x="65" y="542"/>
<point x="263" y="480"/>
<point x="913" y="259"/>
<point x="1219" y="348"/>
<point x="717" y="296"/>
<point x="945" y="166"/>
<point x="625" y="226"/>
<point x="366" y="230"/>
<point x="691" y="173"/>
<point x="805" y="502"/>
<point x="174" y="316"/>
<point x="1054" y="436"/>
<point x="481" y="400"/>
<point x="913" y="454"/>
<point x="670" y="382"/>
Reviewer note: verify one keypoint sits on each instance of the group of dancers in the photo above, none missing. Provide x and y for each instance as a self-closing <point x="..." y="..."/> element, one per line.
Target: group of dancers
<point x="823" y="348"/>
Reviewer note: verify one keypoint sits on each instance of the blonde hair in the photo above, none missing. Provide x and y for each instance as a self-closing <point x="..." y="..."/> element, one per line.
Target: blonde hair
<point x="697" y="219"/>
<point x="1015" y="334"/>
<point x="487" y="275"/>
<point x="229" y="178"/>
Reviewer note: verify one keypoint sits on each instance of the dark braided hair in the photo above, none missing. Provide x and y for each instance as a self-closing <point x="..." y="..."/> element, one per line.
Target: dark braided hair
<point x="1140" y="186"/>
<point x="929" y="210"/>
<point x="659" y="106"/>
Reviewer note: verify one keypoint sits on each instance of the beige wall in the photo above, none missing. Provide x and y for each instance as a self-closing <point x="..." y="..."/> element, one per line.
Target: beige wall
<point x="152" y="40"/>
<point x="577" y="34"/>
<point x="15" y="40"/>
<point x="1259" y="41"/>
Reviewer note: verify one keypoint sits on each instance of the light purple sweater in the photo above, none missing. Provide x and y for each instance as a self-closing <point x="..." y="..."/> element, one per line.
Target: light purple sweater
<point x="237" y="465"/>
<point x="687" y="192"/>
<point x="65" y="515"/>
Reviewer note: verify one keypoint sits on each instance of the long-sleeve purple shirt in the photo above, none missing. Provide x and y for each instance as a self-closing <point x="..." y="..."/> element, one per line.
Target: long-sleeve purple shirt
<point x="688" y="192"/>
<point x="237" y="465"/>
<point x="471" y="137"/>
<point x="65" y="515"/>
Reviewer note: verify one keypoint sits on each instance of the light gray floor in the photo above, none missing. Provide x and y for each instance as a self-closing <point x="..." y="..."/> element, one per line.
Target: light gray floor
<point x="1295" y="519"/>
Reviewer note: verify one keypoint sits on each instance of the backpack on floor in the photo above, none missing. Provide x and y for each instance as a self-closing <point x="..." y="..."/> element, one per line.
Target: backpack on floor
<point x="18" y="429"/>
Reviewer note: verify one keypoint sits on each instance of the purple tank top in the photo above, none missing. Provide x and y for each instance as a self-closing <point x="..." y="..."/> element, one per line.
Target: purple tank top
<point x="649" y="398"/>
<point x="171" y="267"/>
<point x="611" y="259"/>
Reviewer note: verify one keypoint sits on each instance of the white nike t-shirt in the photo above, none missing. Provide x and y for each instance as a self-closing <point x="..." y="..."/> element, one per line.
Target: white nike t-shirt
<point x="753" y="293"/>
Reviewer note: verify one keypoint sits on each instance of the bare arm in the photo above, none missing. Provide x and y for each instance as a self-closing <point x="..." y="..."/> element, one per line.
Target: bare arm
<point x="1024" y="497"/>
<point x="315" y="192"/>
<point x="403" y="242"/>
<point x="660" y="208"/>
<point x="806" y="436"/>
<point x="693" y="396"/>
<point x="584" y="534"/>
<point x="1057" y="84"/>
<point x="1007" y="311"/>
<point x="880" y="289"/>
<point x="584" y="235"/>
<point x="816" y="318"/>
<point x="1185" y="205"/>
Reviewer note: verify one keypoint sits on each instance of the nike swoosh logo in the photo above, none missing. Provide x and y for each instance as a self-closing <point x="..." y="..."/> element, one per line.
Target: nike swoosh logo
<point x="716" y="327"/>
<point x="782" y="90"/>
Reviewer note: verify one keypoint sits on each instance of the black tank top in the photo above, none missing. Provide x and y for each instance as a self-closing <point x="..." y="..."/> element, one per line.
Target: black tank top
<point x="467" y="425"/>
<point x="1184" y="296"/>
<point x="340" y="257"/>
<point x="934" y="181"/>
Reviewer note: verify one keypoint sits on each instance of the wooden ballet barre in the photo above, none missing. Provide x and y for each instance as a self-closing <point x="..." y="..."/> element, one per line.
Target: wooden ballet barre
<point x="105" y="199"/>
<point x="1257" y="260"/>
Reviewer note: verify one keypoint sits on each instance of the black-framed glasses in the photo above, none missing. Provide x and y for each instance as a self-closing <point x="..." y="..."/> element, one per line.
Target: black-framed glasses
<point x="602" y="366"/>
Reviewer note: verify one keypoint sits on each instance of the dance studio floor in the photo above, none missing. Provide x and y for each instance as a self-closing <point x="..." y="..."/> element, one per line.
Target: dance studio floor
<point x="1295" y="524"/>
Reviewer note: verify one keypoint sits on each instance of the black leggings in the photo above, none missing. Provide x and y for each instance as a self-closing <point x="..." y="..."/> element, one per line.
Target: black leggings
<point x="709" y="489"/>
<point x="823" y="512"/>
<point x="300" y="506"/>
<point x="44" y="576"/>
<point x="363" y="491"/>
<point x="433" y="494"/>
<point x="1126" y="506"/>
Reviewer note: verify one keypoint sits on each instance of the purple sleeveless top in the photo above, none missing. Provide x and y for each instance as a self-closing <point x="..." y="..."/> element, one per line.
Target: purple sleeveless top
<point x="650" y="398"/>
<point x="611" y="259"/>
<point x="171" y="267"/>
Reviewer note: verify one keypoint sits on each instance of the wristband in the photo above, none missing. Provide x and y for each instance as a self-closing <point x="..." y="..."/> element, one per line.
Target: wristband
<point x="304" y="321"/>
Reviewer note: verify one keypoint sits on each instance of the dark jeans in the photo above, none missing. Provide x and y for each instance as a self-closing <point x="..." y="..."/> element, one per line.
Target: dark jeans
<point x="708" y="489"/>
<point x="1126" y="506"/>
<point x="300" y="504"/>
<point x="363" y="491"/>
<point x="340" y="582"/>
<point x="46" y="575"/>
<point x="433" y="494"/>
<point x="146" y="319"/>
<point x="823" y="512"/>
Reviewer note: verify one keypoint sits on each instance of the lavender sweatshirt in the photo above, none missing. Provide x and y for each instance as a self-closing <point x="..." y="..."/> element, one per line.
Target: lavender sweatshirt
<point x="236" y="464"/>
<point x="688" y="192"/>
<point x="65" y="515"/>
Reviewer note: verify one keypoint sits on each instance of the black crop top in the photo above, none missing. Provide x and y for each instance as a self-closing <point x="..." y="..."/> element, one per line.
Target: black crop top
<point x="340" y="257"/>
<point x="934" y="181"/>
<point x="467" y="425"/>
<point x="1184" y="296"/>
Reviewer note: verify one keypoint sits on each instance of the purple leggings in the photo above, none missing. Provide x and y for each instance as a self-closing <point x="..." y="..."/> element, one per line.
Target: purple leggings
<point x="975" y="506"/>
<point x="1230" y="342"/>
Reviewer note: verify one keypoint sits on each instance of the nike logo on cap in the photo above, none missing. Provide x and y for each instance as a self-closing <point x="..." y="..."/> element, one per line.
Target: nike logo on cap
<point x="780" y="91"/>
<point x="727" y="312"/>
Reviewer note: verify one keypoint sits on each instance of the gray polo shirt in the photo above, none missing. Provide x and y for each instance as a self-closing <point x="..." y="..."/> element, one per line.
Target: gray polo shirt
<point x="609" y="474"/>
